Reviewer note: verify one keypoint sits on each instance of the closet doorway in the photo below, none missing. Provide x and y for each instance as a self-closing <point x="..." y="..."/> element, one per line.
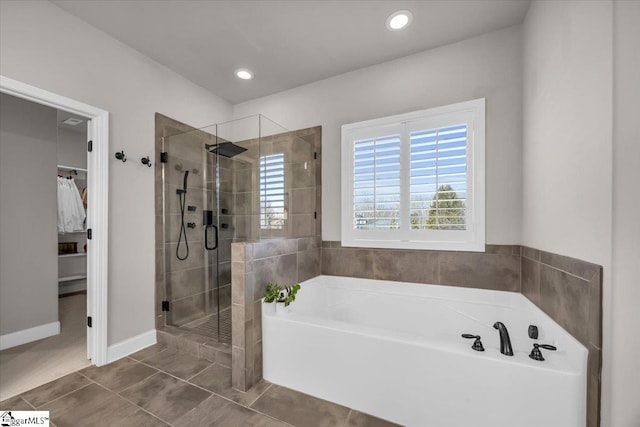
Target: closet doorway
<point x="53" y="236"/>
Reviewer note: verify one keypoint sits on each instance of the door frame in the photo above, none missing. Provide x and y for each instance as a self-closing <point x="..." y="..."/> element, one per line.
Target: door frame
<point x="97" y="209"/>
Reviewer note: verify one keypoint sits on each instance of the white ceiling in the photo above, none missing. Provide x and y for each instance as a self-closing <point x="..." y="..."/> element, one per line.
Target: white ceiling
<point x="64" y="115"/>
<point x="285" y="43"/>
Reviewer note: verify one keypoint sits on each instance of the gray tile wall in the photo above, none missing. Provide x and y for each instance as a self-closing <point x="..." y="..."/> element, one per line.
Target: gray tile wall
<point x="254" y="265"/>
<point x="498" y="268"/>
<point x="570" y="292"/>
<point x="303" y="168"/>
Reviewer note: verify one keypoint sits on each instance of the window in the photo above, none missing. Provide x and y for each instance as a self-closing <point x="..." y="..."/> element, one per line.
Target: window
<point x="415" y="180"/>
<point x="272" y="209"/>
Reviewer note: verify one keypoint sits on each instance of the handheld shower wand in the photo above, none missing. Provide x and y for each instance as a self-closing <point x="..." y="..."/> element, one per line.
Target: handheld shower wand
<point x="182" y="194"/>
<point x="184" y="182"/>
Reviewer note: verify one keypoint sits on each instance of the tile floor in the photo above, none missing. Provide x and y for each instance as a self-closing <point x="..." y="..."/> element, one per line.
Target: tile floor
<point x="162" y="387"/>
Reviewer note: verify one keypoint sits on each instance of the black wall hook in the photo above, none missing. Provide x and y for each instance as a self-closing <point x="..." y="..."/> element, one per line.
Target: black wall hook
<point x="146" y="161"/>
<point x="120" y="156"/>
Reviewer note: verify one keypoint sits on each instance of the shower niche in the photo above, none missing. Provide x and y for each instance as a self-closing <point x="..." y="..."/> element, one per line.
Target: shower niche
<point x="244" y="180"/>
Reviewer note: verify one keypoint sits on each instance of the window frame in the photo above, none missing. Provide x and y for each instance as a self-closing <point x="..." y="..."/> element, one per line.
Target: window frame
<point x="473" y="238"/>
<point x="264" y="223"/>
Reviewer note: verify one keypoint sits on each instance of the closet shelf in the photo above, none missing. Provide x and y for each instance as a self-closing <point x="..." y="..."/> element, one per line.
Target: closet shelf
<point x="72" y="255"/>
<point x="71" y="168"/>
<point x="70" y="278"/>
<point x="73" y="232"/>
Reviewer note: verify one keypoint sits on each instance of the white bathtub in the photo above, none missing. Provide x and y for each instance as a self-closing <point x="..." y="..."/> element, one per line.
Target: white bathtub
<point x="394" y="350"/>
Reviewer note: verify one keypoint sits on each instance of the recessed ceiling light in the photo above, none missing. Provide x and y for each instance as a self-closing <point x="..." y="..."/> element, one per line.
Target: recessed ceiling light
<point x="399" y="20"/>
<point x="72" y="121"/>
<point x="244" y="74"/>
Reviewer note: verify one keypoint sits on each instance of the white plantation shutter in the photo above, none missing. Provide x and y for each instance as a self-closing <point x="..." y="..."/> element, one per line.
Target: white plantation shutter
<point x="376" y="183"/>
<point x="272" y="209"/>
<point x="415" y="180"/>
<point x="438" y="186"/>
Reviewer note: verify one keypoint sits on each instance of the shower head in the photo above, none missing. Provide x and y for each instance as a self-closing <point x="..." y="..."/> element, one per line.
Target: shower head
<point x="226" y="149"/>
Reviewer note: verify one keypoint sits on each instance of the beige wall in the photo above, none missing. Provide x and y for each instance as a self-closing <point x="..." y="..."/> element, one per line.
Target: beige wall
<point x="28" y="215"/>
<point x="72" y="146"/>
<point x="42" y="45"/>
<point x="485" y="66"/>
<point x="579" y="124"/>
<point x="567" y="129"/>
<point x="625" y="284"/>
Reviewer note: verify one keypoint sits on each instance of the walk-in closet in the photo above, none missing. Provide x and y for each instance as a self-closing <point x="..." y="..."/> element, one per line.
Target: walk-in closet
<point x="43" y="240"/>
<point x="72" y="199"/>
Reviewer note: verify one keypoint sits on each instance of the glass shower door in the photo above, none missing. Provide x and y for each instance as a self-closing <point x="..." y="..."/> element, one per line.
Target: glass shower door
<point x="211" y="190"/>
<point x="192" y="232"/>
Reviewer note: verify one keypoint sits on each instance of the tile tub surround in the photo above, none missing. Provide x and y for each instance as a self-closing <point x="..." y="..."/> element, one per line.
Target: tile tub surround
<point x="161" y="387"/>
<point x="497" y="268"/>
<point x="570" y="292"/>
<point x="253" y="266"/>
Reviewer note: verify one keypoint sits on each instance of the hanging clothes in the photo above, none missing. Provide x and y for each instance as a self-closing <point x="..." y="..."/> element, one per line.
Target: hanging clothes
<point x="71" y="213"/>
<point x="84" y="197"/>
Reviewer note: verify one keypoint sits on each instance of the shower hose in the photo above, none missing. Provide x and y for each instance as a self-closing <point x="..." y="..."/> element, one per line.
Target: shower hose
<point x="182" y="193"/>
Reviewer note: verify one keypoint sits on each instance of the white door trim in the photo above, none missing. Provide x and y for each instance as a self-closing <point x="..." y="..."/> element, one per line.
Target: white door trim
<point x="98" y="190"/>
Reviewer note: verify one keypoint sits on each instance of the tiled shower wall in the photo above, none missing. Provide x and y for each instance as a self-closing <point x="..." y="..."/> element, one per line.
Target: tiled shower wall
<point x="302" y="150"/>
<point x="254" y="265"/>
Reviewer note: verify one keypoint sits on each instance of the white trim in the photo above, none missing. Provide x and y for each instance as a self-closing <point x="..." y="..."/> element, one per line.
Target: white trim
<point x="473" y="238"/>
<point x="131" y="345"/>
<point x="98" y="187"/>
<point x="25" y="336"/>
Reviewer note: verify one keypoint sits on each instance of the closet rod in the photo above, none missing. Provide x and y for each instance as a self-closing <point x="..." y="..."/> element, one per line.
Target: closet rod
<point x="71" y="168"/>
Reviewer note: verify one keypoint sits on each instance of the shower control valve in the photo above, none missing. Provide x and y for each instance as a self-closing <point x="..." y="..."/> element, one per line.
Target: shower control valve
<point x="477" y="344"/>
<point x="191" y="225"/>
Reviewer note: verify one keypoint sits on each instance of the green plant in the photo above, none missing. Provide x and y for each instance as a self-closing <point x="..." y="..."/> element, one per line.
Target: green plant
<point x="288" y="295"/>
<point x="272" y="293"/>
<point x="277" y="293"/>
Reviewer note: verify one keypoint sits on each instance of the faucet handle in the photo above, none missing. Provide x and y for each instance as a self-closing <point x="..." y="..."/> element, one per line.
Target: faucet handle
<point x="536" y="354"/>
<point x="477" y="344"/>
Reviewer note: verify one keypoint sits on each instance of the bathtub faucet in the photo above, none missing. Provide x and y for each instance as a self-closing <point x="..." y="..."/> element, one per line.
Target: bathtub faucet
<point x="505" y="342"/>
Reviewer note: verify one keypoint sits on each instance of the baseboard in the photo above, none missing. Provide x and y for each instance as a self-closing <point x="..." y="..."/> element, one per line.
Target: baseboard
<point x="131" y="345"/>
<point x="25" y="336"/>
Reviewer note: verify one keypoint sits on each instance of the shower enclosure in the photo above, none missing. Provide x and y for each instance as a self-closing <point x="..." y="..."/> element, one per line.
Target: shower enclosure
<point x="248" y="179"/>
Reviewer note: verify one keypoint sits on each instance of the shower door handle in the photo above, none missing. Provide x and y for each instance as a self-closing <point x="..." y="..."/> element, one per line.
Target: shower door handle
<point x="206" y="237"/>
